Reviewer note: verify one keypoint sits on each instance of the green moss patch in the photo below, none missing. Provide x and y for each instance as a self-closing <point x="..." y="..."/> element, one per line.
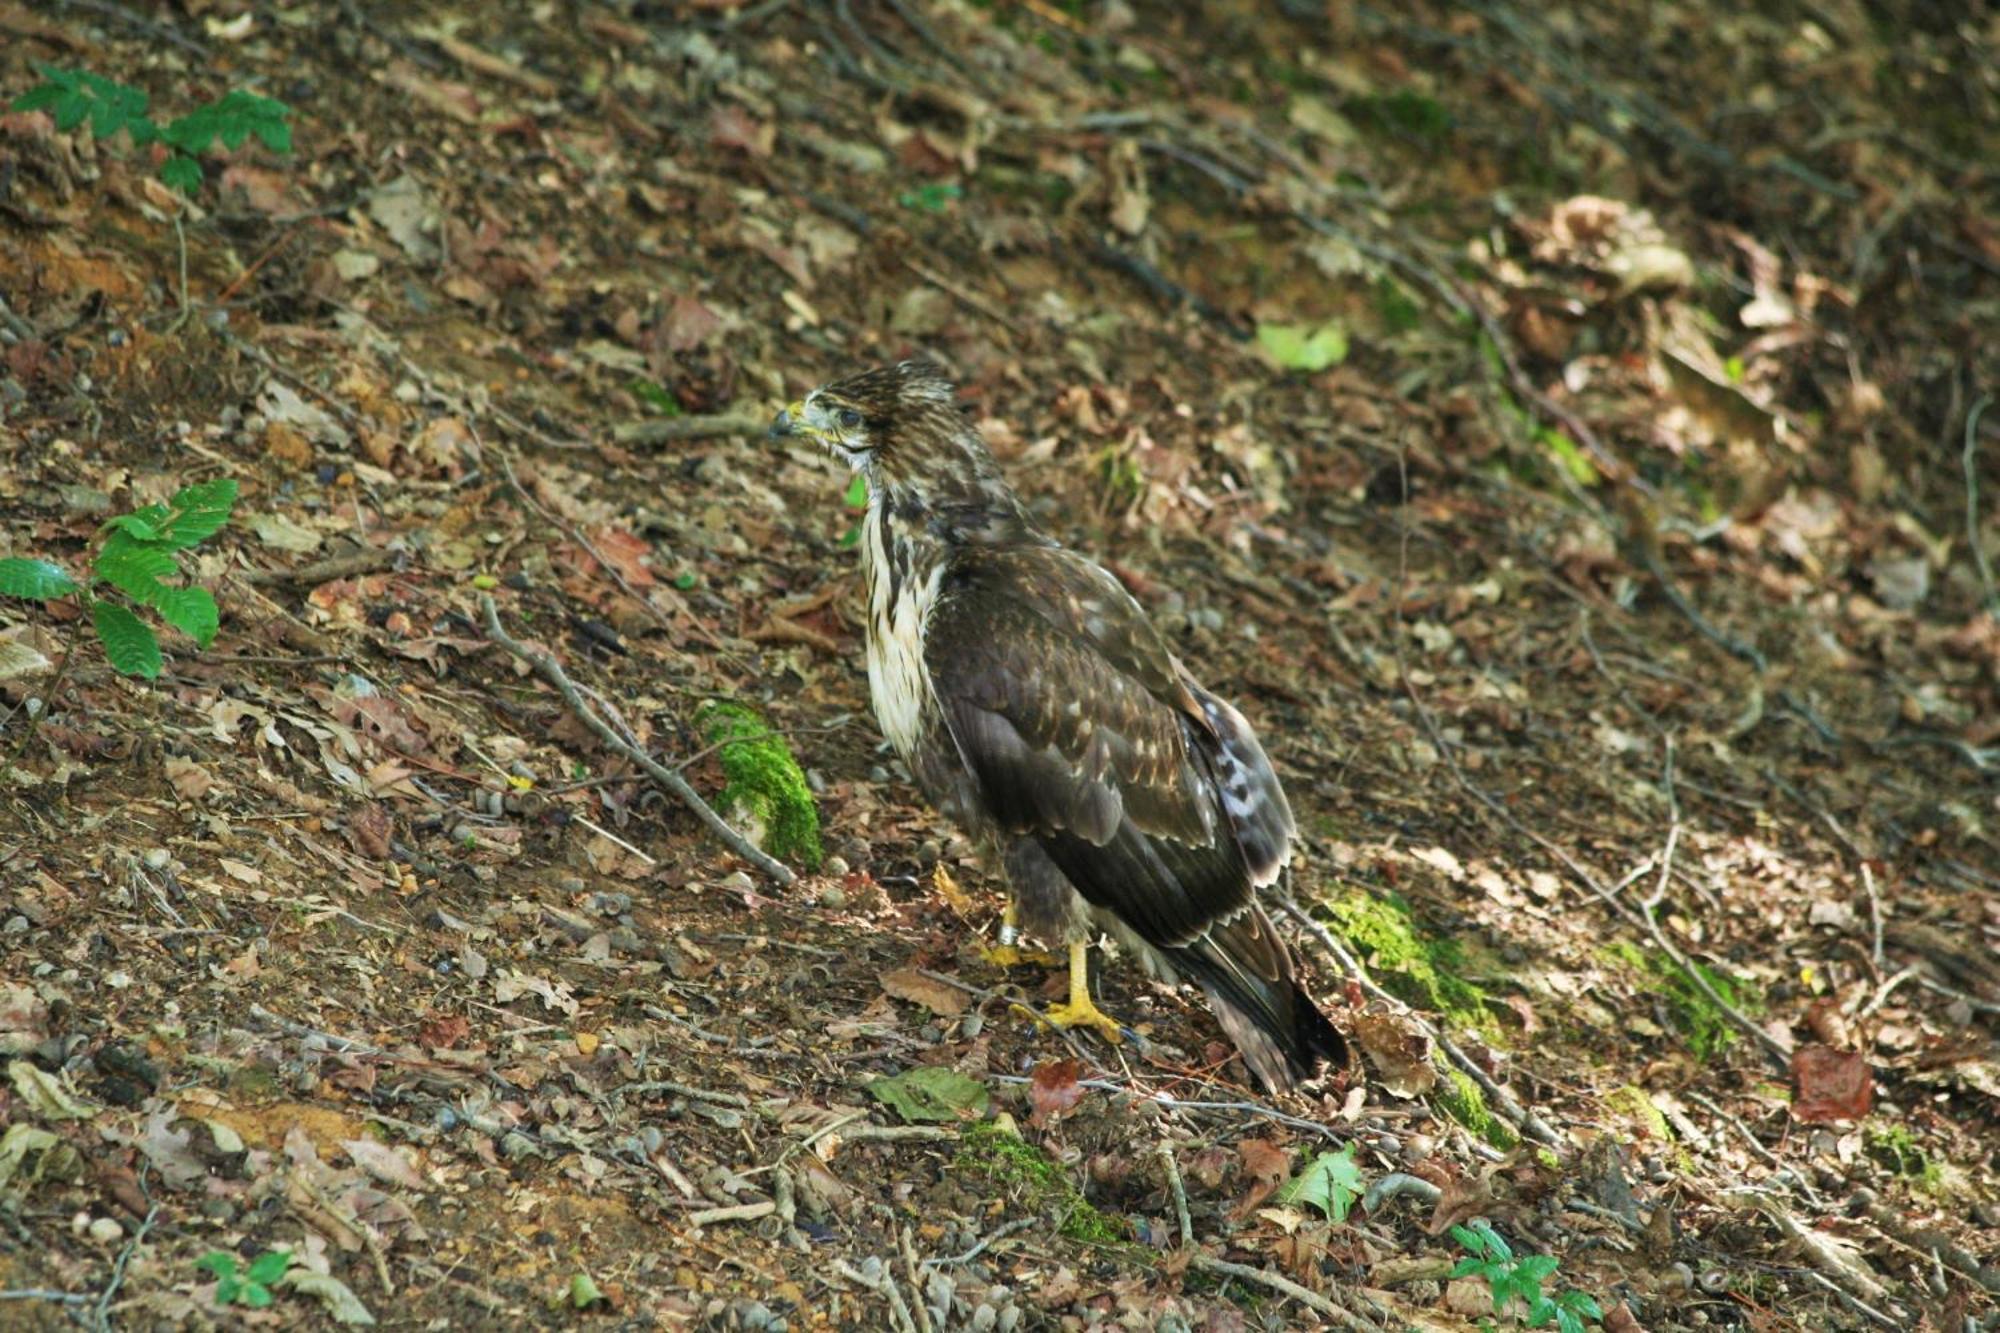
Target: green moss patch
<point x="1419" y="969"/>
<point x="1461" y="1099"/>
<point x="764" y="788"/>
<point x="1896" y="1149"/>
<point x="1707" y="1029"/>
<point x="1000" y="1155"/>
<point x="1633" y="1105"/>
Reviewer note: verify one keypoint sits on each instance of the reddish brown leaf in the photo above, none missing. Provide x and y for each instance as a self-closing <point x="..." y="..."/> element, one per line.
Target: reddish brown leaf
<point x="733" y="127"/>
<point x="444" y="1031"/>
<point x="1054" y="1090"/>
<point x="1267" y="1165"/>
<point x="1830" y="1085"/>
<point x="912" y="985"/>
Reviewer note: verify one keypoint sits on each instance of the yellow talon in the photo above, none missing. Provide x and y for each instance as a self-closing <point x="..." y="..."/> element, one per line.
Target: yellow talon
<point x="1082" y="1011"/>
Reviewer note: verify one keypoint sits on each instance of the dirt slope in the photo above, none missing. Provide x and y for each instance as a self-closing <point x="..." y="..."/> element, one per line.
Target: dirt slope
<point x="1566" y="435"/>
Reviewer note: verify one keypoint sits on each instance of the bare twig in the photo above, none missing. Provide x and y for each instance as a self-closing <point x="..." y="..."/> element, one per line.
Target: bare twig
<point x="966" y="297"/>
<point x="742" y="1212"/>
<point x="685" y="1090"/>
<point x="1312" y="1300"/>
<point x="103" y="1310"/>
<point x="986" y="1242"/>
<point x="549" y="670"/>
<point x="1394" y="1186"/>
<point x="44" y="1294"/>
<point x="688" y="428"/>
<point x="923" y="1312"/>
<point x="1969" y="461"/>
<point x="883" y="1284"/>
<point x="1177" y="1188"/>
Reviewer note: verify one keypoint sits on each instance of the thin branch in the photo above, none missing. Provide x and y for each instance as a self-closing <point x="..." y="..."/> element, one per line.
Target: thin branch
<point x="1177" y="1188"/>
<point x="1312" y="1300"/>
<point x="670" y="429"/>
<point x="883" y="1284"/>
<point x="546" y="667"/>
<point x="1969" y="461"/>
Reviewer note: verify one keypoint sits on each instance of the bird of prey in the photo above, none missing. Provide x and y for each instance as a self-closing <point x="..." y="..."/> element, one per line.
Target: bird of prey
<point x="1039" y="709"/>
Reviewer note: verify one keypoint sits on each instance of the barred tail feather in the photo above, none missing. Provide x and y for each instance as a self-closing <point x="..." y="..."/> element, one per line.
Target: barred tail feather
<point x="1251" y="794"/>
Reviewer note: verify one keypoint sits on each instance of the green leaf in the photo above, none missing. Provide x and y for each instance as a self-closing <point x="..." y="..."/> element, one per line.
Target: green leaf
<point x="72" y="108"/>
<point x="232" y="118"/>
<point x="1330" y="1183"/>
<point x="183" y="173"/>
<point x="1470" y="1239"/>
<point x="127" y="642"/>
<point x="930" y="198"/>
<point x="658" y="396"/>
<point x="932" y="1093"/>
<point x="256" y="1295"/>
<point x="857" y="493"/>
<point x="141" y="524"/>
<point x="1573" y="459"/>
<point x="584" y="1291"/>
<point x="269" y="1266"/>
<point x="1298" y="347"/>
<point x="848" y="538"/>
<point x="197" y="512"/>
<point x="35" y="579"/>
<point x="1581" y="1302"/>
<point x="134" y="567"/>
<point x="1538" y="1266"/>
<point x="1470" y="1267"/>
<point x="219" y="1262"/>
<point x="41" y="95"/>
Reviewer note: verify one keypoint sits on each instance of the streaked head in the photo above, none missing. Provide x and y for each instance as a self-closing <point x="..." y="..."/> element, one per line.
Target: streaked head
<point x="880" y="420"/>
<point x="900" y="428"/>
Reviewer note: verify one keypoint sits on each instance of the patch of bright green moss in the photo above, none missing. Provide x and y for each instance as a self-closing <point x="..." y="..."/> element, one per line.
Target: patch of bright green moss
<point x="763" y="783"/>
<point x="1458" y="1097"/>
<point x="1633" y="1104"/>
<point x="1421" y="970"/>
<point x="1707" y="1028"/>
<point x="1896" y="1149"/>
<point x="1006" y="1158"/>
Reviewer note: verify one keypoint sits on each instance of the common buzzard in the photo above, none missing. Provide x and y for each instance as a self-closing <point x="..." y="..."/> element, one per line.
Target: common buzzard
<point x="1041" y="711"/>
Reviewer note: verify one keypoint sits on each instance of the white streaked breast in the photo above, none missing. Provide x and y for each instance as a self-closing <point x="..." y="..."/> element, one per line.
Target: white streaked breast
<point x="897" y="678"/>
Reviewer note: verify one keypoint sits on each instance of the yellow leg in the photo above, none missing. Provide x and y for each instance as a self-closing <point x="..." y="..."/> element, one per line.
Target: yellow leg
<point x="1082" y="1011"/>
<point x="1008" y="953"/>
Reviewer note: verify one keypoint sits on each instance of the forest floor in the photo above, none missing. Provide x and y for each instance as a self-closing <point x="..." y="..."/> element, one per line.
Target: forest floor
<point x="1565" y="436"/>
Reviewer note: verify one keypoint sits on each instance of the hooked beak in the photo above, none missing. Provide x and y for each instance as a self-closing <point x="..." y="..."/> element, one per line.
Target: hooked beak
<point x="790" y="422"/>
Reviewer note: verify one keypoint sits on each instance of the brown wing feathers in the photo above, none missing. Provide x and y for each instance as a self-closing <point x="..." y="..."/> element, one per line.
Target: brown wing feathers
<point x="1151" y="795"/>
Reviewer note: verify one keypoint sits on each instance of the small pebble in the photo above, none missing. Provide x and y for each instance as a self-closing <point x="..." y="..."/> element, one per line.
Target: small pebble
<point x="971" y="1026"/>
<point x="157" y="858"/>
<point x="984" y="1317"/>
<point x="739" y="882"/>
<point x="836" y="865"/>
<point x="833" y="897"/>
<point x="106" y="1231"/>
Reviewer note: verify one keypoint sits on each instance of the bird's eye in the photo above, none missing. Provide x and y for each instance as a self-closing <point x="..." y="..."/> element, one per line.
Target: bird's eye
<point x="848" y="418"/>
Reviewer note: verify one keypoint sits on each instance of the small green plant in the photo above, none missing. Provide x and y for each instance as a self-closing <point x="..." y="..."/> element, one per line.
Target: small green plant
<point x="1492" y="1258"/>
<point x="136" y="551"/>
<point x="1303" y="346"/>
<point x="931" y="197"/>
<point x="856" y="501"/>
<point x="1331" y="1183"/>
<point x="74" y="96"/>
<point x="250" y="1287"/>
